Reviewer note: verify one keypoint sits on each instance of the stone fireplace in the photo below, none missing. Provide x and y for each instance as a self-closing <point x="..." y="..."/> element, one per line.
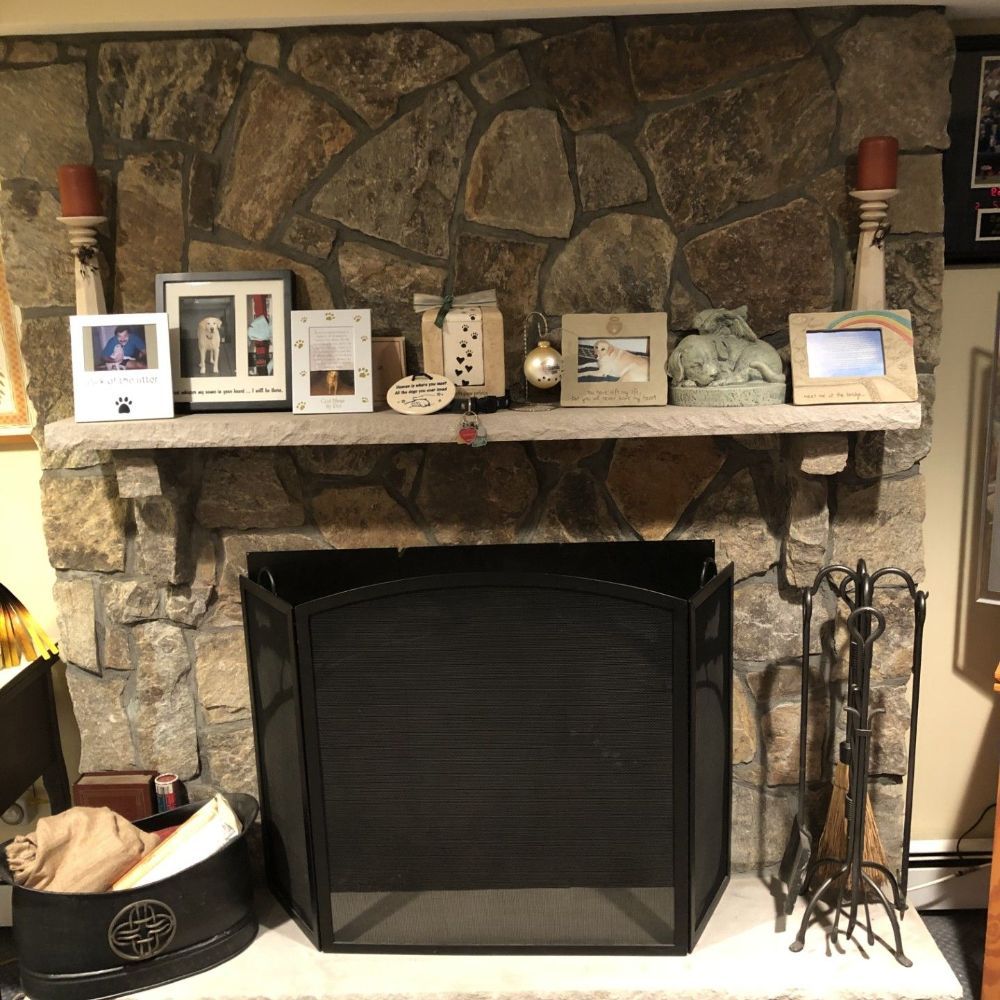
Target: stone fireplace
<point x="645" y="163"/>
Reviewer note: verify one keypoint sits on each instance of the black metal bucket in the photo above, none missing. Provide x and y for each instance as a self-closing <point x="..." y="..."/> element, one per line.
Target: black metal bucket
<point x="83" y="946"/>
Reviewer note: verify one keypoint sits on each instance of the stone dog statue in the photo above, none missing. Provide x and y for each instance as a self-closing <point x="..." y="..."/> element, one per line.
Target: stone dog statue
<point x="725" y="352"/>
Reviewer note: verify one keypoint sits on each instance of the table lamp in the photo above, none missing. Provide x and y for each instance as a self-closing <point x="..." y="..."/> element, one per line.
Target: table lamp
<point x="21" y="637"/>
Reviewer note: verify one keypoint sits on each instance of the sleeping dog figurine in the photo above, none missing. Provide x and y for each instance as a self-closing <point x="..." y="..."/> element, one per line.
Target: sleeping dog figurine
<point x="725" y="351"/>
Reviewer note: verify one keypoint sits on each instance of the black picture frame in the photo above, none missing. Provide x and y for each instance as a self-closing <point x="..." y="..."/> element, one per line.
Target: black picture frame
<point x="972" y="202"/>
<point x="278" y="386"/>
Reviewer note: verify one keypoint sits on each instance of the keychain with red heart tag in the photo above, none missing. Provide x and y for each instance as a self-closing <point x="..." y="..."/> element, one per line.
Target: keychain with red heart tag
<point x="468" y="429"/>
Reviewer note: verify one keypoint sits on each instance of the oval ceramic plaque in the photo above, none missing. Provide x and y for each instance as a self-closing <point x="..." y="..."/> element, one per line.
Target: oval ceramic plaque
<point x="421" y="393"/>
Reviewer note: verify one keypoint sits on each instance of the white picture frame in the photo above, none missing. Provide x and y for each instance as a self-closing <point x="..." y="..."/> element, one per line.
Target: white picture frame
<point x="121" y="367"/>
<point x="332" y="361"/>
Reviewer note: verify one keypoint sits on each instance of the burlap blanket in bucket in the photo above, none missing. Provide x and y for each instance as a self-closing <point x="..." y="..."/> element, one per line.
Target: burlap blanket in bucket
<point x="80" y="850"/>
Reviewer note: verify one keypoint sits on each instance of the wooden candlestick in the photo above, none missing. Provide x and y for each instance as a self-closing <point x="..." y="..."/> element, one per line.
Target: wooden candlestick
<point x="86" y="268"/>
<point x="869" y="271"/>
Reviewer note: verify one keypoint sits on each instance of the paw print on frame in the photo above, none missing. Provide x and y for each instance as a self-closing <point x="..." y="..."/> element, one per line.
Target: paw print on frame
<point x="300" y="343"/>
<point x="124" y="404"/>
<point x="363" y="373"/>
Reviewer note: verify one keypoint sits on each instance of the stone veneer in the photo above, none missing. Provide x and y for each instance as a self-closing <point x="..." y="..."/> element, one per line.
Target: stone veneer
<point x="611" y="164"/>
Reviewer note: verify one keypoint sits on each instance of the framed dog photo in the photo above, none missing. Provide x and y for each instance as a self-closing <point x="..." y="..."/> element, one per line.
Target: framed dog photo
<point x="121" y="367"/>
<point x="861" y="356"/>
<point x="332" y="361"/>
<point x="614" y="360"/>
<point x="229" y="339"/>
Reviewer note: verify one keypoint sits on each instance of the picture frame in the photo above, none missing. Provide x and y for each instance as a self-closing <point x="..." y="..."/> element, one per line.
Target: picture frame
<point x="972" y="163"/>
<point x="388" y="366"/>
<point x="614" y="359"/>
<point x="989" y="516"/>
<point x="230" y="339"/>
<point x="468" y="349"/>
<point x="122" y="368"/>
<point x="15" y="411"/>
<point x="858" y="356"/>
<point x="332" y="361"/>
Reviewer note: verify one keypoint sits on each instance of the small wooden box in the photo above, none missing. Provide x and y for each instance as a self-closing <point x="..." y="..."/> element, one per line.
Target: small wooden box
<point x="388" y="366"/>
<point x="128" y="793"/>
<point x="477" y="369"/>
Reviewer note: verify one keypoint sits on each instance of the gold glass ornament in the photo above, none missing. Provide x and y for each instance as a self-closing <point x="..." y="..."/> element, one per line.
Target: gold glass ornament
<point x="543" y="364"/>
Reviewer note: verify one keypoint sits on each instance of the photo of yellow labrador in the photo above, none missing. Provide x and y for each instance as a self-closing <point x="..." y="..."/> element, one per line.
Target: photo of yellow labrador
<point x="209" y="342"/>
<point x="622" y="359"/>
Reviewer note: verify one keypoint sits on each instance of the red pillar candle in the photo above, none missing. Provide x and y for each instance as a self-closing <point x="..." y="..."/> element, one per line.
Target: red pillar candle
<point x="78" y="190"/>
<point x="877" y="157"/>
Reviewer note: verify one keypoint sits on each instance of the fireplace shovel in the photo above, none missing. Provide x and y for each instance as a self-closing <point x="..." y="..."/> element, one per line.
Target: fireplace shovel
<point x="799" y="848"/>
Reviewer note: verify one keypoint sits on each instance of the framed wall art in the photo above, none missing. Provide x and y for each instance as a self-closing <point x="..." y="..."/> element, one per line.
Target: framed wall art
<point x="229" y="339"/>
<point x="614" y="359"/>
<point x="121" y="367"/>
<point x="972" y="163"/>
<point x="862" y="356"/>
<point x="332" y="361"/>
<point x="989" y="520"/>
<point x="15" y="416"/>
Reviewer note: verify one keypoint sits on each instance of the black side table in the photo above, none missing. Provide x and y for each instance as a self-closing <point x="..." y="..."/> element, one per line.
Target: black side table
<point x="29" y="745"/>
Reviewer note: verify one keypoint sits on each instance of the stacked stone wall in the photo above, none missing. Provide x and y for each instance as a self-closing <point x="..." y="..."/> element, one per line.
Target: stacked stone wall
<point x="649" y="163"/>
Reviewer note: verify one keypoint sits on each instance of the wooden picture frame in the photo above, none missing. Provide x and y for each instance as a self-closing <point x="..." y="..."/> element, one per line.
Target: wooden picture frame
<point x="989" y="517"/>
<point x="468" y="350"/>
<point x="15" y="412"/>
<point x="230" y="339"/>
<point x="388" y="366"/>
<point x="121" y="367"/>
<point x="972" y="162"/>
<point x="332" y="361"/>
<point x="859" y="356"/>
<point x="614" y="359"/>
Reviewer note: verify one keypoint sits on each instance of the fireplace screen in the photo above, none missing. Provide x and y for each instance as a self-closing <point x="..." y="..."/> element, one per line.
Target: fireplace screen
<point x="494" y="746"/>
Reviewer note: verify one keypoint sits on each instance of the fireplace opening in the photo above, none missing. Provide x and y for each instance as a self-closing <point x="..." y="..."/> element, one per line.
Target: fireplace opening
<point x="522" y="746"/>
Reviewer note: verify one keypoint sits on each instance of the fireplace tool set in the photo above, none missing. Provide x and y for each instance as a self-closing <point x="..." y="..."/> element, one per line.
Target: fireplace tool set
<point x="854" y="877"/>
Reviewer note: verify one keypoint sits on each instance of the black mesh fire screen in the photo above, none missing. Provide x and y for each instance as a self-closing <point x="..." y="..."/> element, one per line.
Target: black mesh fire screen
<point x="499" y="755"/>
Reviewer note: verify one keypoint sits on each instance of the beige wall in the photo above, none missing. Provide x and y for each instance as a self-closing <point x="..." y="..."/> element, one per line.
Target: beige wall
<point x="959" y="719"/>
<point x="49" y="17"/>
<point x="24" y="565"/>
<point x="24" y="562"/>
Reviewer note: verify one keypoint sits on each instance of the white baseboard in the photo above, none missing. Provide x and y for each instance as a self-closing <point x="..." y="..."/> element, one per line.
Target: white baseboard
<point x="959" y="883"/>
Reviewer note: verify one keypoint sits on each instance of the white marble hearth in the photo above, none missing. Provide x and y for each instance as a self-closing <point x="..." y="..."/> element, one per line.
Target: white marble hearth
<point x="743" y="955"/>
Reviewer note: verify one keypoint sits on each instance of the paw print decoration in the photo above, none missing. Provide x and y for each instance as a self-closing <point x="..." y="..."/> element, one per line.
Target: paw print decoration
<point x="364" y="373"/>
<point x="299" y="344"/>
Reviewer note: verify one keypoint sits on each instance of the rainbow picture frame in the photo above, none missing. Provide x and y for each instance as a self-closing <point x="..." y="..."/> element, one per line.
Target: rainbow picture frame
<point x="861" y="356"/>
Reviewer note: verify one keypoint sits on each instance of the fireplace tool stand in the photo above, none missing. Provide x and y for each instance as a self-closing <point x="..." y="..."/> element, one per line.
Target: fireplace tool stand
<point x="852" y="877"/>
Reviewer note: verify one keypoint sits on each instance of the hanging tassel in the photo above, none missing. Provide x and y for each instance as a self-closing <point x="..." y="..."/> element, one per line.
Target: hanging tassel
<point x="21" y="637"/>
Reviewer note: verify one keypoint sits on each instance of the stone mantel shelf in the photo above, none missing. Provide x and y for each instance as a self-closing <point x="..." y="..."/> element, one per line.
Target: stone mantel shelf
<point x="268" y="430"/>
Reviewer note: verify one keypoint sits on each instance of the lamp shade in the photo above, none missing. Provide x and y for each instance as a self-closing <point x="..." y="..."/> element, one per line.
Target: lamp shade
<point x="21" y="637"/>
